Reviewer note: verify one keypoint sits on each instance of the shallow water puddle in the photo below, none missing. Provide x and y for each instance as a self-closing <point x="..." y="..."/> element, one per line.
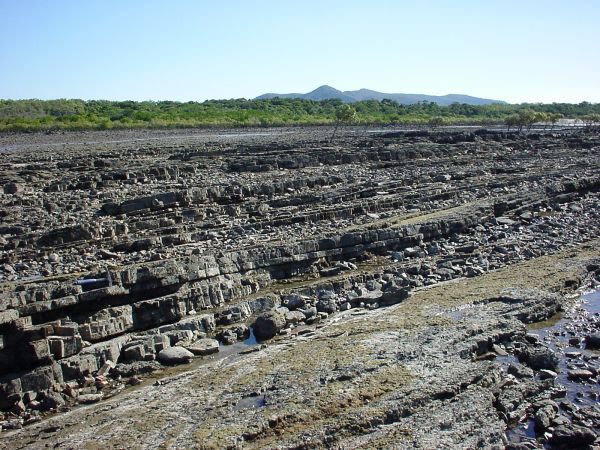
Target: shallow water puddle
<point x="558" y="336"/>
<point x="522" y="432"/>
<point x="564" y="334"/>
<point x="252" y="402"/>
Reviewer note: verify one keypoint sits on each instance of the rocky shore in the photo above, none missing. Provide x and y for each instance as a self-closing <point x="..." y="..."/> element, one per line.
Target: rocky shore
<point x="393" y="280"/>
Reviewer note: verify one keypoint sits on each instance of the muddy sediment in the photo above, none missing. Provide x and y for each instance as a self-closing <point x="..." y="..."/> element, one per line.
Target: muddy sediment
<point x="393" y="279"/>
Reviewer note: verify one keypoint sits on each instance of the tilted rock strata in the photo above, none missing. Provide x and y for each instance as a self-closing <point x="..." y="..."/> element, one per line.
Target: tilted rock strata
<point x="195" y="241"/>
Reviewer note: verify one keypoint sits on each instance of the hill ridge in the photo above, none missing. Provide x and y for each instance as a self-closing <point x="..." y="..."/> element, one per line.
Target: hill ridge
<point x="326" y="92"/>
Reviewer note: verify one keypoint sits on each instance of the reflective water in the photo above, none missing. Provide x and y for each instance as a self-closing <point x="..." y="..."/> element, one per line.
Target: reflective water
<point x="558" y="333"/>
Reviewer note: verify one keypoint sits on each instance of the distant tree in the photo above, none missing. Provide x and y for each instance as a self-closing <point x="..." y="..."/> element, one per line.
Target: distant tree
<point x="343" y="114"/>
<point x="554" y="118"/>
<point x="590" y="120"/>
<point x="512" y="121"/>
<point x="527" y="117"/>
<point x="541" y="117"/>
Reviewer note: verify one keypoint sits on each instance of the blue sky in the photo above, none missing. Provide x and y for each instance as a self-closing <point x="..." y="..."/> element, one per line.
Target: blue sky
<point x="525" y="50"/>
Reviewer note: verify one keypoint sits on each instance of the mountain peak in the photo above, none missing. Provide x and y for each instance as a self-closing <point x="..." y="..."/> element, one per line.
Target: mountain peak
<point x="326" y="92"/>
<point x="326" y="87"/>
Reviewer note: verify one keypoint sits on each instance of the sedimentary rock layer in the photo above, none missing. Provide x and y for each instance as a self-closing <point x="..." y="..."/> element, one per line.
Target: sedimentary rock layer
<point x="112" y="253"/>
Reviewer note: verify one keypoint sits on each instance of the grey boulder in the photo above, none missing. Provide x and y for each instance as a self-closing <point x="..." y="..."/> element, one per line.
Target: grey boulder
<point x="269" y="324"/>
<point x="540" y="358"/>
<point x="175" y="355"/>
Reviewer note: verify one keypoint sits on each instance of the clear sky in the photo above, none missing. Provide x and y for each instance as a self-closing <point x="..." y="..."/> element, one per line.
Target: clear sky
<point x="513" y="50"/>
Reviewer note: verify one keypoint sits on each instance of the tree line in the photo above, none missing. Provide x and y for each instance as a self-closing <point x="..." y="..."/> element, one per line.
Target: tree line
<point x="64" y="114"/>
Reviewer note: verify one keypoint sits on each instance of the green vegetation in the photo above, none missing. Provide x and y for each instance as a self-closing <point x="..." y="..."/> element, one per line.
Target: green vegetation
<point x="437" y="121"/>
<point x="34" y="115"/>
<point x="343" y="114"/>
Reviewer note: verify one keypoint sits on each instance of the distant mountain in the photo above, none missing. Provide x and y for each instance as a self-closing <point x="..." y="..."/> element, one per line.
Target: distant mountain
<point x="324" y="92"/>
<point x="327" y="92"/>
<point x="321" y="93"/>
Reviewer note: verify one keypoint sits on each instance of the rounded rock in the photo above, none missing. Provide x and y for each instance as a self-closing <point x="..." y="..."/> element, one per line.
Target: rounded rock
<point x="175" y="355"/>
<point x="269" y="324"/>
<point x="593" y="340"/>
<point x="11" y="188"/>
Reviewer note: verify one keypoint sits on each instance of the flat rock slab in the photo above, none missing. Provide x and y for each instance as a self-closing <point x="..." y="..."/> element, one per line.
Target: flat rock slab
<point x="203" y="347"/>
<point x="87" y="399"/>
<point x="579" y="374"/>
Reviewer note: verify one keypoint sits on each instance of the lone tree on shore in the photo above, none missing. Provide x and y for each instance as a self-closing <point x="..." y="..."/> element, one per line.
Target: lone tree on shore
<point x="590" y="121"/>
<point x="343" y="114"/>
<point x="511" y="121"/>
<point x="542" y="117"/>
<point x="527" y="118"/>
<point x="554" y="118"/>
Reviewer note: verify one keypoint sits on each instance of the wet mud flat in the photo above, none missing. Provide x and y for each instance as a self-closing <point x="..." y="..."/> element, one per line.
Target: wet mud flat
<point x="383" y="290"/>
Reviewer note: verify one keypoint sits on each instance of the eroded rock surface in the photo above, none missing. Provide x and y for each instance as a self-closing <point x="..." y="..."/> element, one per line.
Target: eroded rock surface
<point x="347" y="255"/>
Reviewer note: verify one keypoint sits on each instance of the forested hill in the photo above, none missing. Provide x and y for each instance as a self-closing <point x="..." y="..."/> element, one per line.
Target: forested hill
<point x="31" y="115"/>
